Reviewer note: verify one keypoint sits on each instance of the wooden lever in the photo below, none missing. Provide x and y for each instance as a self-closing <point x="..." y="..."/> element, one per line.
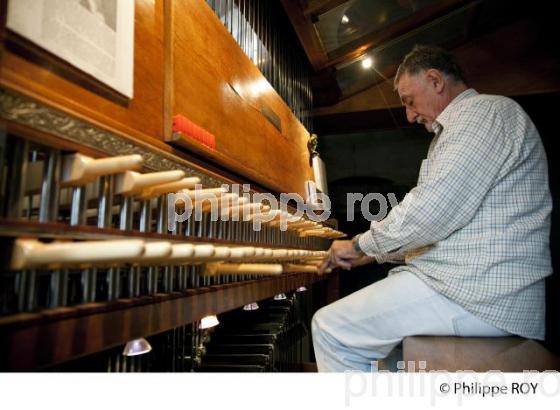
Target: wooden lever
<point x="154" y="251"/>
<point x="213" y="269"/>
<point x="131" y="182"/>
<point x="186" y="253"/>
<point x="277" y="219"/>
<point x="198" y="194"/>
<point x="263" y="254"/>
<point x="157" y="190"/>
<point x="244" y="210"/>
<point x="203" y="251"/>
<point x="192" y="253"/>
<point x="242" y="252"/>
<point x="181" y="251"/>
<point x="222" y="252"/>
<point x="30" y="253"/>
<point x="224" y="201"/>
<point x="312" y="232"/>
<point x="288" y="268"/>
<point x="78" y="169"/>
<point x="266" y="217"/>
<point x="201" y="197"/>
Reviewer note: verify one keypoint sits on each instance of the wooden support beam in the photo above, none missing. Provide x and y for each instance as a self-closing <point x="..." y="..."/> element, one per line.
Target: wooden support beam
<point x="306" y="33"/>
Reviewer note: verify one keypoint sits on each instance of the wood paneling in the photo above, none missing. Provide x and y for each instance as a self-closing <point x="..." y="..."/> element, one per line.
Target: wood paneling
<point x="216" y="85"/>
<point x="141" y="119"/>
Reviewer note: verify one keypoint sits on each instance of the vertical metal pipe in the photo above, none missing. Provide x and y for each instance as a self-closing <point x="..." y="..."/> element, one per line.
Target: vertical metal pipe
<point x="50" y="187"/>
<point x="167" y="273"/>
<point x="31" y="300"/>
<point x="104" y="220"/>
<point x="228" y="15"/>
<point x="162" y="214"/>
<point x="89" y="281"/>
<point x="125" y="224"/>
<point x="113" y="283"/>
<point x="17" y="153"/>
<point x="21" y="287"/>
<point x="56" y="278"/>
<point x="231" y="4"/>
<point x="105" y="204"/>
<point x="153" y="273"/>
<point x="125" y="221"/>
<point x="146" y="215"/>
<point x="189" y="227"/>
<point x="78" y="206"/>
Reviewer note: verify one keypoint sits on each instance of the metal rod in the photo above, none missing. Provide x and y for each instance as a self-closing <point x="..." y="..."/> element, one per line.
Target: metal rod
<point x="162" y="214"/>
<point x="89" y="280"/>
<point x="146" y="215"/>
<point x="125" y="222"/>
<point x="54" y="289"/>
<point x="15" y="178"/>
<point x="50" y="187"/>
<point x="31" y="300"/>
<point x="79" y="206"/>
<point x="104" y="207"/>
<point x="21" y="286"/>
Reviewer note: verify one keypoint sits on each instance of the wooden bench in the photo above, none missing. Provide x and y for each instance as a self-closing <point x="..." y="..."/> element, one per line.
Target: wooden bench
<point x="480" y="354"/>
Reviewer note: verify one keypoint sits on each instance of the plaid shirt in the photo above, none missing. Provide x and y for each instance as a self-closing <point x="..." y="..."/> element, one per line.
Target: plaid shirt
<point x="480" y="215"/>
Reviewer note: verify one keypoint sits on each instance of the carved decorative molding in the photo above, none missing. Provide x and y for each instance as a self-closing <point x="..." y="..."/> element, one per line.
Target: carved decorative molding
<point x="30" y="113"/>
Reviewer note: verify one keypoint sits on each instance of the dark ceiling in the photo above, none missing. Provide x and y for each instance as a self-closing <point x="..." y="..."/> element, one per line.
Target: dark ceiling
<point x="338" y="35"/>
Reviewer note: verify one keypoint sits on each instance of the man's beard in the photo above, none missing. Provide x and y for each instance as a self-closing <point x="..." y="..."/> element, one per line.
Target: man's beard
<point x="426" y="124"/>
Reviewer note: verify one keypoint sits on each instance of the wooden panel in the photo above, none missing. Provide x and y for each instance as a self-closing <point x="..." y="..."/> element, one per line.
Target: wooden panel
<point x="142" y="118"/>
<point x="32" y="340"/>
<point x="479" y="354"/>
<point x="217" y="86"/>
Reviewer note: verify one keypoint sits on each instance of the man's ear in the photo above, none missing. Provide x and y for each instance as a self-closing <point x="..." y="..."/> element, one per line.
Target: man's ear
<point x="435" y="79"/>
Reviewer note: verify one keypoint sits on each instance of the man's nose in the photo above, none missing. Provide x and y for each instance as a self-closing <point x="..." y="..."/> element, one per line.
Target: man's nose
<point x="411" y="115"/>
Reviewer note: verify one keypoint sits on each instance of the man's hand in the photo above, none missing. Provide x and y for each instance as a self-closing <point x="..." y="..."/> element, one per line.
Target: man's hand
<point x="363" y="260"/>
<point x="342" y="254"/>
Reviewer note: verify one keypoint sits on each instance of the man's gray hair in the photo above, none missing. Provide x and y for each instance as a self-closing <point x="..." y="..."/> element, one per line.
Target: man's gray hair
<point x="423" y="58"/>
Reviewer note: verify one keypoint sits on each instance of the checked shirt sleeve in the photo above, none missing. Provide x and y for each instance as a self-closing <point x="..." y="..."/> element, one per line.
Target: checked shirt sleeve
<point x="465" y="163"/>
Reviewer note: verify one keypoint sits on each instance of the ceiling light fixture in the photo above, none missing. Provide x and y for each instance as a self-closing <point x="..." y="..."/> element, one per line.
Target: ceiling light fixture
<point x="345" y="19"/>
<point x="367" y="63"/>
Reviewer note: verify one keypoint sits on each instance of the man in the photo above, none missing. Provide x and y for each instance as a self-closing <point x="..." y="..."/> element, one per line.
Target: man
<point x="473" y="233"/>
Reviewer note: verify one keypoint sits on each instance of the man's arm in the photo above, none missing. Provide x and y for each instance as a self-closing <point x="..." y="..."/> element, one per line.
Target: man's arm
<point x="463" y="168"/>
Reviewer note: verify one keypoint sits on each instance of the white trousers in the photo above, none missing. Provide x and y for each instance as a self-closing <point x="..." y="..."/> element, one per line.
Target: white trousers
<point x="365" y="326"/>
